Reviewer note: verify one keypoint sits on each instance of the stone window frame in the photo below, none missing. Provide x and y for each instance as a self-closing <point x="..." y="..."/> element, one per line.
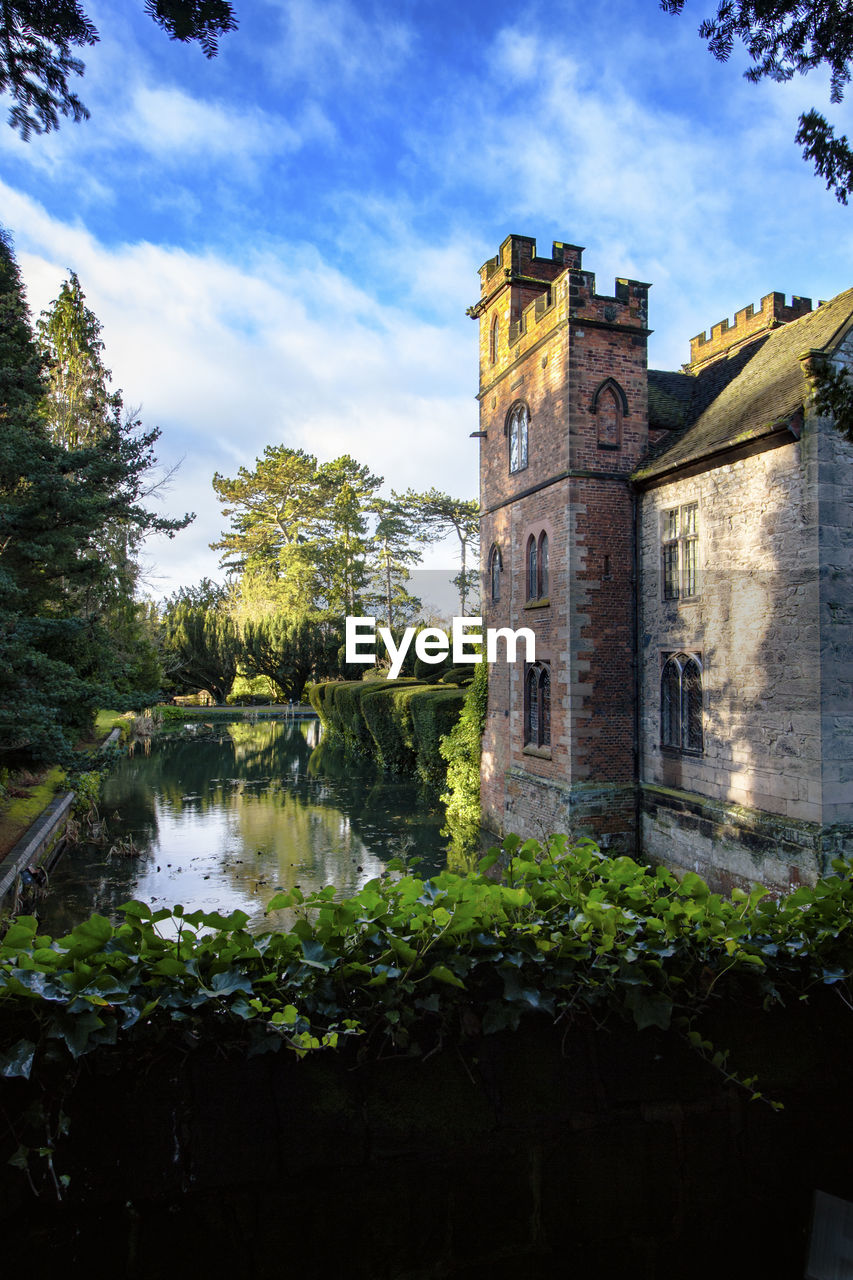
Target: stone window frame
<point x="517" y="429"/>
<point x="612" y="388"/>
<point x="682" y="716"/>
<point x="536" y="568"/>
<point x="494" y="339"/>
<point x="495" y="565"/>
<point x="537" y="707"/>
<point x="679" y="552"/>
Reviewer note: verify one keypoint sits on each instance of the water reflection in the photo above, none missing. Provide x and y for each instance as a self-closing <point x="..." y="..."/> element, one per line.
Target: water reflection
<point x="226" y="816"/>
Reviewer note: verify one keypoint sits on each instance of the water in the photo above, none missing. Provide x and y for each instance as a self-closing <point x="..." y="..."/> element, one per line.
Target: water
<point x="225" y="817"/>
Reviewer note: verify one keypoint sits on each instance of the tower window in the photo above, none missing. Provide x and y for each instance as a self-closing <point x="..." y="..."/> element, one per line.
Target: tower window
<point x="681" y="704"/>
<point x="543" y="566"/>
<point x="517" y="432"/>
<point x="537" y="705"/>
<point x="532" y="569"/>
<point x="494" y="336"/>
<point x="495" y="570"/>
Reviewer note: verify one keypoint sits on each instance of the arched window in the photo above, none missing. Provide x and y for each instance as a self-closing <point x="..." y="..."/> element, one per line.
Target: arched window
<point x="681" y="704"/>
<point x="493" y="340"/>
<point x="537" y="706"/>
<point x="610" y="406"/>
<point x="495" y="568"/>
<point x="543" y="566"/>
<point x="517" y="432"/>
<point x="532" y="569"/>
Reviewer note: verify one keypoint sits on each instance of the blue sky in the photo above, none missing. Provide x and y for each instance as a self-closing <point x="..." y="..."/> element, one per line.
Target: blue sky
<point x="281" y="243"/>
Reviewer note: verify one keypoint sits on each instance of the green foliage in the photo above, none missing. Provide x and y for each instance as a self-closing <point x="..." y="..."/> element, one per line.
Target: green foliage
<point x="36" y="59"/>
<point x="385" y="706"/>
<point x="785" y="39"/>
<point x="458" y="675"/>
<point x="289" y="649"/>
<point x="461" y="751"/>
<point x="435" y="713"/>
<point x="565" y="932"/>
<point x="201" y="639"/>
<point x="71" y="521"/>
<point x="442" y="516"/>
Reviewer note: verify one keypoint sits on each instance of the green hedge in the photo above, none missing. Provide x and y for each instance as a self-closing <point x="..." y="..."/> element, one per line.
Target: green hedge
<point x="435" y="712"/>
<point x="400" y="722"/>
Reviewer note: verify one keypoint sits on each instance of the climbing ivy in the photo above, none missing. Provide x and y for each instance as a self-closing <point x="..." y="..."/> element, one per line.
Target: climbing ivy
<point x="408" y="962"/>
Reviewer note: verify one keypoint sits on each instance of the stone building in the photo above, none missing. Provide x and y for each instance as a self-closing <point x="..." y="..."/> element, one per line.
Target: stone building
<point x="681" y="544"/>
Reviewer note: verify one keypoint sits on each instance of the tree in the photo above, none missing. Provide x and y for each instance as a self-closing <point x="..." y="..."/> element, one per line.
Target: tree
<point x="399" y="534"/>
<point x="298" y="537"/>
<point x="444" y="515"/>
<point x="58" y="660"/>
<point x="37" y="38"/>
<point x="785" y="38"/>
<point x="290" y="650"/>
<point x="201" y="639"/>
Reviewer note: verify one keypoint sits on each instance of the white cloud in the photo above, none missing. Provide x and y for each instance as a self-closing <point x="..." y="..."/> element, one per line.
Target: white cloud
<point x="227" y="357"/>
<point x="326" y="42"/>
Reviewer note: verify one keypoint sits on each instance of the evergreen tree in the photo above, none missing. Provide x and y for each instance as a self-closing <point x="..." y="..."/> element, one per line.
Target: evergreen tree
<point x="785" y="38"/>
<point x="58" y="660"/>
<point x="201" y="639"/>
<point x="37" y="39"/>
<point x="443" y="515"/>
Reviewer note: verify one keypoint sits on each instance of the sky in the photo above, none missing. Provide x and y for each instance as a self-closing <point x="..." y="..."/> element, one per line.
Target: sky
<point x="281" y="242"/>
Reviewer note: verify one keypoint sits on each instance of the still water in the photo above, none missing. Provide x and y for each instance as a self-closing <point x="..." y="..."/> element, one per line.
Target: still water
<point x="224" y="817"/>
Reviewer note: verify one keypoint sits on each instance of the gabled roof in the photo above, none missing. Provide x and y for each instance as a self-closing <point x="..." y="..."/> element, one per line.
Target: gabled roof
<point x="737" y="400"/>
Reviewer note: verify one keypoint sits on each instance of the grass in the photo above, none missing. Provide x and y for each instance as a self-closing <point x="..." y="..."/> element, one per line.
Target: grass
<point x="18" y="813"/>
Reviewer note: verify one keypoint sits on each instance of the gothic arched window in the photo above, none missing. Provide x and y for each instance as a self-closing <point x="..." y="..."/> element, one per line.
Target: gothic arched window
<point x="610" y="406"/>
<point x="517" y="432"/>
<point x="495" y="568"/>
<point x="537" y="706"/>
<point x="532" y="569"/>
<point x="681" y="704"/>
<point x="543" y="566"/>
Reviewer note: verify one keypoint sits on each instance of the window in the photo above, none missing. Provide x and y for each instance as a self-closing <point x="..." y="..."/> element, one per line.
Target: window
<point x="543" y="566"/>
<point x="536" y="567"/>
<point x="532" y="569"/>
<point x="495" y="568"/>
<point x="610" y="406"/>
<point x="680" y="548"/>
<point x="681" y="704"/>
<point x="537" y="706"/>
<point x="493" y="340"/>
<point x="517" y="432"/>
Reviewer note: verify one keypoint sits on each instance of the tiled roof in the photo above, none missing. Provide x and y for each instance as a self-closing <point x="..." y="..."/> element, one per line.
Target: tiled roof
<point x="742" y="397"/>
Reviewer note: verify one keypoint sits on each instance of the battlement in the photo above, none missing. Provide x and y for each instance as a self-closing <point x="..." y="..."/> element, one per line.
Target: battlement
<point x="748" y="324"/>
<point x="517" y="257"/>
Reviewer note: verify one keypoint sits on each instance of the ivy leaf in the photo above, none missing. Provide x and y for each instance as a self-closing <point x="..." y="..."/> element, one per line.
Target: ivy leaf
<point x="18" y="1061"/>
<point x="441" y="973"/>
<point x="650" y="1008"/>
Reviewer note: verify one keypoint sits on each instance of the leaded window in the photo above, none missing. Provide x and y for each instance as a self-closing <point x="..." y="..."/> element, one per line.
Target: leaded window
<point x="537" y="705"/>
<point x="680" y="552"/>
<point x="517" y="431"/>
<point x="495" y="568"/>
<point x="681" y="704"/>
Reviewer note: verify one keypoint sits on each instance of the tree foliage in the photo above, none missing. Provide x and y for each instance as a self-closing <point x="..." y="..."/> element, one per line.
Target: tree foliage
<point x="443" y="516"/>
<point x="38" y="37"/>
<point x="202" y="639"/>
<point x="61" y="596"/>
<point x="786" y="38"/>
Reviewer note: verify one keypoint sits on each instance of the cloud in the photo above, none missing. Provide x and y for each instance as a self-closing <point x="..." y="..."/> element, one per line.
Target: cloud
<point x="227" y="356"/>
<point x="327" y="43"/>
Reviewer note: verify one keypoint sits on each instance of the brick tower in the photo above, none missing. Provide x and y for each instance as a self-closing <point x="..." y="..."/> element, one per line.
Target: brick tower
<point x="563" y="423"/>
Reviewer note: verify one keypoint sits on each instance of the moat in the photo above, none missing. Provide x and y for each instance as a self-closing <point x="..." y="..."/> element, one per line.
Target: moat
<point x="223" y="817"/>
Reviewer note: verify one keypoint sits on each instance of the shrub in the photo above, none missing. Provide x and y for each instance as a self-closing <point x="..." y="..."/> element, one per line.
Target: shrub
<point x="458" y="675"/>
<point x="461" y="750"/>
<point x="434" y="713"/>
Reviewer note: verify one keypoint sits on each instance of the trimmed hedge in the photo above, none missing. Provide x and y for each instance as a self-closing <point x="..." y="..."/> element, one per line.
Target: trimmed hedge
<point x="400" y="722"/>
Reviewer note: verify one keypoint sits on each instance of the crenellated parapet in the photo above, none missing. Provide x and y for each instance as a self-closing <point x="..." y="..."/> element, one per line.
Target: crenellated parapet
<point x="748" y="324"/>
